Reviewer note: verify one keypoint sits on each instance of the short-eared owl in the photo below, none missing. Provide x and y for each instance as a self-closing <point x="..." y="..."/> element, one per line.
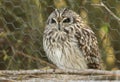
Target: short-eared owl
<point x="69" y="43"/>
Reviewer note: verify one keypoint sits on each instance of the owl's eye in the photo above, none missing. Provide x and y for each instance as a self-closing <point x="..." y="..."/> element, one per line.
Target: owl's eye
<point x="67" y="20"/>
<point x="53" y="21"/>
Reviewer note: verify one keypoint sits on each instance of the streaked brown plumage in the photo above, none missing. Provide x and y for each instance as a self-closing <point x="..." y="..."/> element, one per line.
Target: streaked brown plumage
<point x="69" y="43"/>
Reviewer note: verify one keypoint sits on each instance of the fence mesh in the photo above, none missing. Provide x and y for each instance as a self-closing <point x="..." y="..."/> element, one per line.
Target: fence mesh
<point x="22" y="23"/>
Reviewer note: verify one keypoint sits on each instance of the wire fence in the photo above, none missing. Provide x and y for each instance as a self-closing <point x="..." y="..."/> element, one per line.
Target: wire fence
<point x="22" y="23"/>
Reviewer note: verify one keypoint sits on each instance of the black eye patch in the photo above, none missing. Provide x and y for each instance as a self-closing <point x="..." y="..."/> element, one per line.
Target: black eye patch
<point x="67" y="20"/>
<point x="53" y="21"/>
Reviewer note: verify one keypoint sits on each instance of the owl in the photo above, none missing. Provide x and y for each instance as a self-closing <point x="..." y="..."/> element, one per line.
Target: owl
<point x="70" y="43"/>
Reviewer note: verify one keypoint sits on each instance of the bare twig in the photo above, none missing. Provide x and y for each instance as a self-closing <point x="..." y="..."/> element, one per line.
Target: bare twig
<point x="111" y="13"/>
<point x="37" y="59"/>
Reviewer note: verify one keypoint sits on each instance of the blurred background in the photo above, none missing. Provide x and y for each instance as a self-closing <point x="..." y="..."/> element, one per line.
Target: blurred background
<point x="22" y="23"/>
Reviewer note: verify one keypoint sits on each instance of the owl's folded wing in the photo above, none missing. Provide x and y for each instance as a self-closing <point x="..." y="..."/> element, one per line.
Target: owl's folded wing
<point x="88" y="44"/>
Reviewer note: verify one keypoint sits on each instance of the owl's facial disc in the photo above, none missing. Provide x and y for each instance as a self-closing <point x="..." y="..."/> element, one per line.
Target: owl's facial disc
<point x="61" y="19"/>
<point x="60" y="22"/>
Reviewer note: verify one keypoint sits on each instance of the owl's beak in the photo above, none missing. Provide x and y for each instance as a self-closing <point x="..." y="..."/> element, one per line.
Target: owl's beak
<point x="59" y="26"/>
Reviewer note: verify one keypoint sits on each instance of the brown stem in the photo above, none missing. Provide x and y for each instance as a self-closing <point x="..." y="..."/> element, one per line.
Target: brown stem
<point x="37" y="59"/>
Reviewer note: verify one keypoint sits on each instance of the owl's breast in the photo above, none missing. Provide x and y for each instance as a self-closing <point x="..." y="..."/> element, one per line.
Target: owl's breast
<point x="63" y="51"/>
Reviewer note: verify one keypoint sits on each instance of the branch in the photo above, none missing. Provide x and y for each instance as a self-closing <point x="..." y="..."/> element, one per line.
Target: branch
<point x="37" y="59"/>
<point x="111" y="13"/>
<point x="58" y="74"/>
<point x="58" y="71"/>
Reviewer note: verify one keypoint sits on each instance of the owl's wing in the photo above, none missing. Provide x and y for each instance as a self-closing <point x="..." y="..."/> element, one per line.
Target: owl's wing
<point x="88" y="44"/>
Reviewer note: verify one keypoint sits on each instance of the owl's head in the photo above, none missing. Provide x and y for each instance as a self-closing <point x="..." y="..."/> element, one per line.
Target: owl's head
<point x="61" y="18"/>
